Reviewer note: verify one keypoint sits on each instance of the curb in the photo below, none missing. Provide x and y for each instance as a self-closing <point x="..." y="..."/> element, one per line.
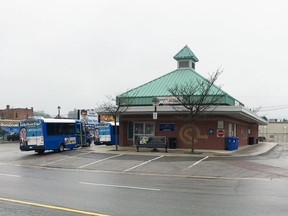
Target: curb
<point x="248" y="150"/>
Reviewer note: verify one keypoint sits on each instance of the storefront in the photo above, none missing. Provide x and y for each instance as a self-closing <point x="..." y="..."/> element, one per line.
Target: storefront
<point x="210" y="132"/>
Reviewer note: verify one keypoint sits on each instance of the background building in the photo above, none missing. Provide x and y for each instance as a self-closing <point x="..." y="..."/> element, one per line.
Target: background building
<point x="275" y="131"/>
<point x="16" y="113"/>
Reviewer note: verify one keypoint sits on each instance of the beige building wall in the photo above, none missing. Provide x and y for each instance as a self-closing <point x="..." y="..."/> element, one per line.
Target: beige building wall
<point x="275" y="131"/>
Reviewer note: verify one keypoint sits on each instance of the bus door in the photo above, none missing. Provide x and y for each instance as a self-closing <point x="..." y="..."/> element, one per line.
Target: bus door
<point x="80" y="137"/>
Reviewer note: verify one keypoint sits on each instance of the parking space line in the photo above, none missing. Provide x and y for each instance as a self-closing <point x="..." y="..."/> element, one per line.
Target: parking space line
<point x="55" y="161"/>
<point x="121" y="186"/>
<point x="85" y="165"/>
<point x="84" y="153"/>
<point x="143" y="163"/>
<point x="197" y="162"/>
<point x="10" y="175"/>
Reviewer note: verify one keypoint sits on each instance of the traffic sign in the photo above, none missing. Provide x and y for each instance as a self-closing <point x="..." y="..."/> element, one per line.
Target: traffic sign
<point x="154" y="115"/>
<point x="220" y="133"/>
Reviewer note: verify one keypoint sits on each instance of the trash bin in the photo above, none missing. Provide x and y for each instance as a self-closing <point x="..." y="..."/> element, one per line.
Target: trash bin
<point x="251" y="140"/>
<point x="232" y="143"/>
<point x="172" y="143"/>
<point x="229" y="143"/>
<point x="236" y="143"/>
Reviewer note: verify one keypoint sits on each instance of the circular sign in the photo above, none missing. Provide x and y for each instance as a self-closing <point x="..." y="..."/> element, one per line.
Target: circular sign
<point x="220" y="133"/>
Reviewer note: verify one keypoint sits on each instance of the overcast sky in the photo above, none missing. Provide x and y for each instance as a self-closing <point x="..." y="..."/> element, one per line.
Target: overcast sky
<point x="73" y="53"/>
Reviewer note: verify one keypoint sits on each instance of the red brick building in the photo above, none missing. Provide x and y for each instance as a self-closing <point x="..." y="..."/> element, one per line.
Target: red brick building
<point x="227" y="118"/>
<point x="16" y="113"/>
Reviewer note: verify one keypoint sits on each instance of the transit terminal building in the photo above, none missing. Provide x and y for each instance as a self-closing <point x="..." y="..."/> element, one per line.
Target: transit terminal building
<point x="229" y="118"/>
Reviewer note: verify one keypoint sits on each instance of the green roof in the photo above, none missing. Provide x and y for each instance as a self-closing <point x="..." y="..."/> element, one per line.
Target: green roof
<point x="143" y="95"/>
<point x="159" y="87"/>
<point x="185" y="54"/>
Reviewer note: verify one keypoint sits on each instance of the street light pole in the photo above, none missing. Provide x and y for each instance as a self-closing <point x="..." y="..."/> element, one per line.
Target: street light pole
<point x="59" y="108"/>
<point x="155" y="102"/>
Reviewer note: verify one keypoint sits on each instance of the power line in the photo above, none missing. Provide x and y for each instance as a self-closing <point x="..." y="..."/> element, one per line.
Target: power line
<point x="270" y="108"/>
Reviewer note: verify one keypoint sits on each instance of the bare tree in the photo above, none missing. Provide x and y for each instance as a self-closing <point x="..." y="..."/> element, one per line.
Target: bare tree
<point x="195" y="97"/>
<point x="114" y="106"/>
<point x="41" y="113"/>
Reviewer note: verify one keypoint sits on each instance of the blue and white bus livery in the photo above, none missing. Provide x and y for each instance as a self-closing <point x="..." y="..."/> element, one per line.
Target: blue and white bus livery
<point x="40" y="134"/>
<point x="105" y="133"/>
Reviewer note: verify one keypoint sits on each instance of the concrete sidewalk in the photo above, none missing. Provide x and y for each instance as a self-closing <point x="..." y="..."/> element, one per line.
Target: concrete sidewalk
<point x="248" y="150"/>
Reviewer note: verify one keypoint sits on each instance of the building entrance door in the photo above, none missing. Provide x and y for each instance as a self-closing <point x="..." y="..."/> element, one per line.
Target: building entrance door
<point x="143" y="129"/>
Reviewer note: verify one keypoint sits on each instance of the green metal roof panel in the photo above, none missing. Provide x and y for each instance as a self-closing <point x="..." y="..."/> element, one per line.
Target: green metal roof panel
<point x="159" y="87"/>
<point x="186" y="53"/>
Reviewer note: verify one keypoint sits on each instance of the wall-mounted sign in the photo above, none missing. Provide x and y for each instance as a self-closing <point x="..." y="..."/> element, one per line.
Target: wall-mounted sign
<point x="166" y="127"/>
<point x="211" y="131"/>
<point x="220" y="124"/>
<point x="167" y="100"/>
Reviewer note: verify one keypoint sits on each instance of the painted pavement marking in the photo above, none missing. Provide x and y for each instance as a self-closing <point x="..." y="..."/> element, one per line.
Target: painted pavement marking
<point x="52" y="207"/>
<point x="143" y="163"/>
<point x="10" y="175"/>
<point x="121" y="186"/>
<point x="98" y="161"/>
<point x="197" y="162"/>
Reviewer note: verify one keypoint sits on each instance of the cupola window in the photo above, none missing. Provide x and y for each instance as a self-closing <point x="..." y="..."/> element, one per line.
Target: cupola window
<point x="183" y="64"/>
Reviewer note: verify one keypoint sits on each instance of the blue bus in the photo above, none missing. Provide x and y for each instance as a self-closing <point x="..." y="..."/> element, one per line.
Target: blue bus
<point x="40" y="134"/>
<point x="105" y="133"/>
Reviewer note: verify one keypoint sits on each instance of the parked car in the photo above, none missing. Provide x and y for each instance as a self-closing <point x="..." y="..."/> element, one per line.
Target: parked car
<point x="262" y="139"/>
<point x="13" y="137"/>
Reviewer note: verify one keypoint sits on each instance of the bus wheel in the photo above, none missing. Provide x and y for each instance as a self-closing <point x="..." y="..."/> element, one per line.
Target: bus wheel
<point x="61" y="147"/>
<point x="40" y="151"/>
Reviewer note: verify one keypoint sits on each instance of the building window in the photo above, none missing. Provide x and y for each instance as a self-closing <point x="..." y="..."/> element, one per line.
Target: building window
<point x="130" y="130"/>
<point x="193" y="65"/>
<point x="16" y="115"/>
<point x="183" y="64"/>
<point x="232" y="129"/>
<point x="245" y="132"/>
<point x="139" y="128"/>
<point x="143" y="129"/>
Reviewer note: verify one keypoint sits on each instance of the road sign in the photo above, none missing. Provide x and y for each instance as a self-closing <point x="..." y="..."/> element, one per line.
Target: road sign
<point x="220" y="133"/>
<point x="154" y="115"/>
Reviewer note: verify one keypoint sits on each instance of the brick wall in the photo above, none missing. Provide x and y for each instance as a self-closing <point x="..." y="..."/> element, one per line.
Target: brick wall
<point x="16" y="113"/>
<point x="205" y="131"/>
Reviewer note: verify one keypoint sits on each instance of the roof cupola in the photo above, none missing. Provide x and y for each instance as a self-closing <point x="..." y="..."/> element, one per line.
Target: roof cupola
<point x="186" y="58"/>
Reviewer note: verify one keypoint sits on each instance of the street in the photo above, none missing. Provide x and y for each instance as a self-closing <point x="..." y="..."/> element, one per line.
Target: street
<point x="83" y="182"/>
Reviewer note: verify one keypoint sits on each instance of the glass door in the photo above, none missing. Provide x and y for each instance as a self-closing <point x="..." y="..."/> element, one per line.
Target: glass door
<point x="143" y="129"/>
<point x="232" y="129"/>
